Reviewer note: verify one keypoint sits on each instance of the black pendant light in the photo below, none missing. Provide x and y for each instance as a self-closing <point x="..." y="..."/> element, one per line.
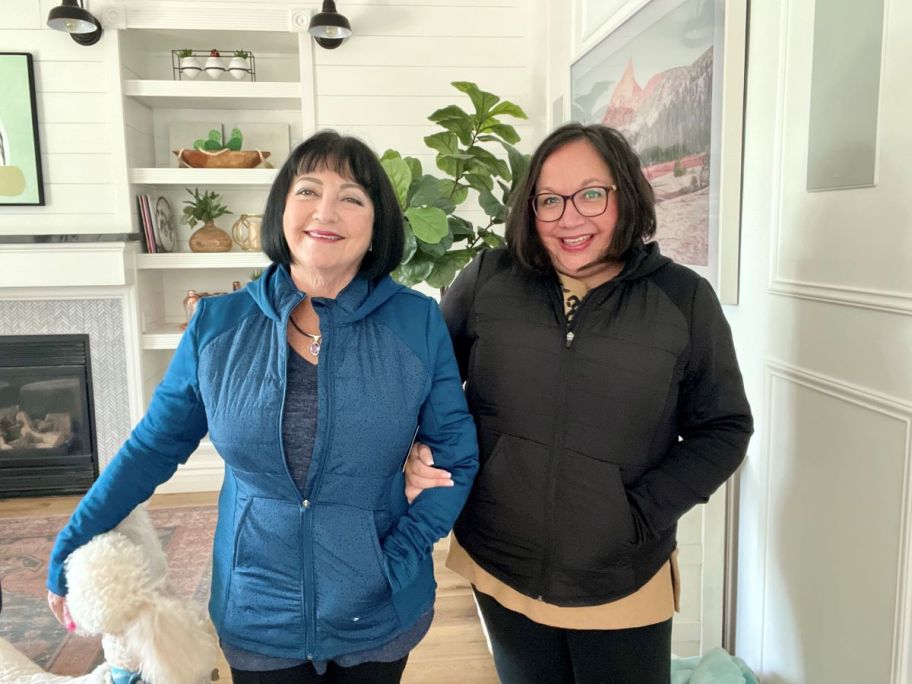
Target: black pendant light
<point x="71" y="17"/>
<point x="328" y="27"/>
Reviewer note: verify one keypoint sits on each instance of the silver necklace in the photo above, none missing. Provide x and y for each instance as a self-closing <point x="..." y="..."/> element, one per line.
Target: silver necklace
<point x="314" y="347"/>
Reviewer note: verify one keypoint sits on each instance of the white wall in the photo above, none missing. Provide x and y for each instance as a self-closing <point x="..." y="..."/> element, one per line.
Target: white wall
<point x="77" y="135"/>
<point x="823" y="332"/>
<point x="380" y="85"/>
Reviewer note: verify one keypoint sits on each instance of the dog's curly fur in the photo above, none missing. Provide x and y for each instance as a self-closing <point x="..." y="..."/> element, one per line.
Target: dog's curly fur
<point x="118" y="589"/>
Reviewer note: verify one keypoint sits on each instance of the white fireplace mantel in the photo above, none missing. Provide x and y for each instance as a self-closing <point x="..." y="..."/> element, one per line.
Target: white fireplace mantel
<point x="78" y="264"/>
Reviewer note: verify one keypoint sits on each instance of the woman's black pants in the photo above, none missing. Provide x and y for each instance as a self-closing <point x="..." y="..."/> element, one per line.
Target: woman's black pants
<point x="365" y="673"/>
<point x="526" y="652"/>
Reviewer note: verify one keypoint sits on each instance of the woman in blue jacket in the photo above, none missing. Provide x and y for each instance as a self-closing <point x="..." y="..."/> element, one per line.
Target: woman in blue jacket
<point x="312" y="383"/>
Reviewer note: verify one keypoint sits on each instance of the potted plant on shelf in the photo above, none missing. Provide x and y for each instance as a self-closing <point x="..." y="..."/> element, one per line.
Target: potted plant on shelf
<point x="205" y="209"/>
<point x="239" y="65"/>
<point x="439" y="242"/>
<point x="189" y="65"/>
<point x="215" y="67"/>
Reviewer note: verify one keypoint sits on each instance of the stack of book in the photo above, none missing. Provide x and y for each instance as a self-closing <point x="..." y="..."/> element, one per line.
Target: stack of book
<point x="147" y="223"/>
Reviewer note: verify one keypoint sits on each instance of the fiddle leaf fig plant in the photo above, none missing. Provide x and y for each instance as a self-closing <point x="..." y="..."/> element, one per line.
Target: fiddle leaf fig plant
<point x="438" y="241"/>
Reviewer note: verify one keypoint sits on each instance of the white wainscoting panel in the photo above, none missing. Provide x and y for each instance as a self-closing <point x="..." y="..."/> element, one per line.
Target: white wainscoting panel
<point x="836" y="598"/>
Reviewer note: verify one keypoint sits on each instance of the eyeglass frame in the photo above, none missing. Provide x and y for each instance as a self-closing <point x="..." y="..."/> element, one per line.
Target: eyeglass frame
<point x="607" y="188"/>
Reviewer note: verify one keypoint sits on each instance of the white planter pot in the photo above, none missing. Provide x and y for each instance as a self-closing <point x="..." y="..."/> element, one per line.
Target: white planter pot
<point x="215" y="67"/>
<point x="190" y="67"/>
<point x="238" y="67"/>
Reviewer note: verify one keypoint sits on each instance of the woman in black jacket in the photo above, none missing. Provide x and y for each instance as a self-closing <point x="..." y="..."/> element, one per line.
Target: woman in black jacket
<point x="604" y="385"/>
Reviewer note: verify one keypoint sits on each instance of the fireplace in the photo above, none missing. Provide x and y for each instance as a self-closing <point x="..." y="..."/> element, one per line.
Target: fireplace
<point x="47" y="418"/>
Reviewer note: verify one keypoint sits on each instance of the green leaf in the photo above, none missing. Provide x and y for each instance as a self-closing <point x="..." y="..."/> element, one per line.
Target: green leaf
<point x="460" y="228"/>
<point x="414" y="167"/>
<point x="492" y="206"/>
<point x="212" y="145"/>
<point x="215" y="135"/>
<point x="442" y="274"/>
<point x="493" y="240"/>
<point x="482" y="100"/>
<point x="454" y="119"/>
<point x="416" y="270"/>
<point x="411" y="242"/>
<point x="503" y="131"/>
<point x="443" y="142"/>
<point x="429" y="224"/>
<point x="198" y="144"/>
<point x="497" y="166"/>
<point x="436" y="250"/>
<point x="479" y="181"/>
<point x="510" y="109"/>
<point x="455" y="191"/>
<point x="461" y="257"/>
<point x="519" y="164"/>
<point x="390" y="154"/>
<point x="400" y="177"/>
<point x="431" y="192"/>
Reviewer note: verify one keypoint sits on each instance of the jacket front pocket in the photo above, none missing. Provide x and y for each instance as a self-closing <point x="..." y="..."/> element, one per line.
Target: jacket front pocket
<point x="353" y="594"/>
<point x="594" y="524"/>
<point x="264" y="603"/>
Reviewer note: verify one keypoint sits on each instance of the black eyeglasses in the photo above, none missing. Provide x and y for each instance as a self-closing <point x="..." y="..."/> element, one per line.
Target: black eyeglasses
<point x="589" y="202"/>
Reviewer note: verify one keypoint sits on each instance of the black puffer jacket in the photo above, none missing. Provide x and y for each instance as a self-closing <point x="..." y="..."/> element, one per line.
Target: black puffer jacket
<point x="595" y="438"/>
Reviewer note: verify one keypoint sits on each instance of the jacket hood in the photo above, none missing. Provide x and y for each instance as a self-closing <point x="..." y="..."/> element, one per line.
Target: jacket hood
<point x="276" y="295"/>
<point x="641" y="261"/>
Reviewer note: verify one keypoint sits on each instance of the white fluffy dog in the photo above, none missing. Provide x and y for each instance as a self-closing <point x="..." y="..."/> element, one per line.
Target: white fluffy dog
<point x="118" y="589"/>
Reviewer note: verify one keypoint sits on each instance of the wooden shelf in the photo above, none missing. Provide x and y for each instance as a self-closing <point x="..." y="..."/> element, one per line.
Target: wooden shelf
<point x="199" y="94"/>
<point x="208" y="177"/>
<point x="181" y="260"/>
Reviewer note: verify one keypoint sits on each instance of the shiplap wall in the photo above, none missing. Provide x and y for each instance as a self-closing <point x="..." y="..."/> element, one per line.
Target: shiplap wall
<point x="380" y="85"/>
<point x="78" y="133"/>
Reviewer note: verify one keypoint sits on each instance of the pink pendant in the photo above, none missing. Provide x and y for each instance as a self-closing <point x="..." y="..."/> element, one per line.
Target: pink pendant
<point x="315" y="348"/>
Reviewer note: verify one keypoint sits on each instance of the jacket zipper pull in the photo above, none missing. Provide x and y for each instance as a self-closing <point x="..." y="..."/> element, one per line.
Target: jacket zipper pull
<point x="570" y="337"/>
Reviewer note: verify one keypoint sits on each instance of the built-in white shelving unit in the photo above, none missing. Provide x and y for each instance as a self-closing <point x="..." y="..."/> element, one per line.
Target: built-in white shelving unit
<point x="160" y="113"/>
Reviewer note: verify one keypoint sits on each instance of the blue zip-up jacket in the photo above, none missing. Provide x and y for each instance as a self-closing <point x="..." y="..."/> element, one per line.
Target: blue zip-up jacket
<point x="347" y="566"/>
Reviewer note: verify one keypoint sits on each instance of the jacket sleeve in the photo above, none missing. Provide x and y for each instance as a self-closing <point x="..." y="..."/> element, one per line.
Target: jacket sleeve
<point x="165" y="437"/>
<point x="714" y="424"/>
<point x="457" y="311"/>
<point x="447" y="428"/>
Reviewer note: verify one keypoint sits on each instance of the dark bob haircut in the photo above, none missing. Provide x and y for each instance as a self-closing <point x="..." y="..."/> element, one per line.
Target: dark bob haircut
<point x="636" y="202"/>
<point x="352" y="159"/>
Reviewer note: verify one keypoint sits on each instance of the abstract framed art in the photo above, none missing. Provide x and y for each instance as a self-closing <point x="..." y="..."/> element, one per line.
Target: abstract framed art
<point x="20" y="155"/>
<point x="670" y="77"/>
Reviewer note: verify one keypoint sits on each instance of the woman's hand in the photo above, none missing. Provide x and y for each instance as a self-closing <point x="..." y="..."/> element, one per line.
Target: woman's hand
<point x="420" y="473"/>
<point x="60" y="610"/>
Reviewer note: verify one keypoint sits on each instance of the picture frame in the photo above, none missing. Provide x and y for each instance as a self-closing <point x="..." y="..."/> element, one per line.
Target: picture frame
<point x="669" y="74"/>
<point x="20" y="154"/>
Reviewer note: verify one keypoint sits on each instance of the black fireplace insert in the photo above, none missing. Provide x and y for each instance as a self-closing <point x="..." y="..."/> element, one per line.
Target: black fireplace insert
<point x="47" y="417"/>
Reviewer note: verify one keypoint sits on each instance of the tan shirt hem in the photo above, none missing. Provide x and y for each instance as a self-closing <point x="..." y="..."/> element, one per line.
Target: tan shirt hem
<point x="656" y="601"/>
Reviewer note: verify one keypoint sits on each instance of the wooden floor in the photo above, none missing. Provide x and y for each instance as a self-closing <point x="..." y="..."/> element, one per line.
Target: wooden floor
<point x="453" y="652"/>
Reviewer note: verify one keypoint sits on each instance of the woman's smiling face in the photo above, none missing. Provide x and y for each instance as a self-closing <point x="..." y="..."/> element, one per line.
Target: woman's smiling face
<point x="575" y="243"/>
<point x="328" y="222"/>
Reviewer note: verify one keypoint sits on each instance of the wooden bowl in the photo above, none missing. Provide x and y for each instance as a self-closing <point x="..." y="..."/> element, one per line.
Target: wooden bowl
<point x="226" y="159"/>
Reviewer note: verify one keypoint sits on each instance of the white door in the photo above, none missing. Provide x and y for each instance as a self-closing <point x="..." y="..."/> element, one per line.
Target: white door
<point x="825" y="338"/>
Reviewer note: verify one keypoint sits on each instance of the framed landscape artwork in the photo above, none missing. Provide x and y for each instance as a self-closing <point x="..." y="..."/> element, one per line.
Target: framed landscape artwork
<point x="20" y="156"/>
<point x="671" y="79"/>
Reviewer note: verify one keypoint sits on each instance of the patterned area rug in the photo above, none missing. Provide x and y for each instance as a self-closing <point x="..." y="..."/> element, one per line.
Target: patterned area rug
<point x="27" y="623"/>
